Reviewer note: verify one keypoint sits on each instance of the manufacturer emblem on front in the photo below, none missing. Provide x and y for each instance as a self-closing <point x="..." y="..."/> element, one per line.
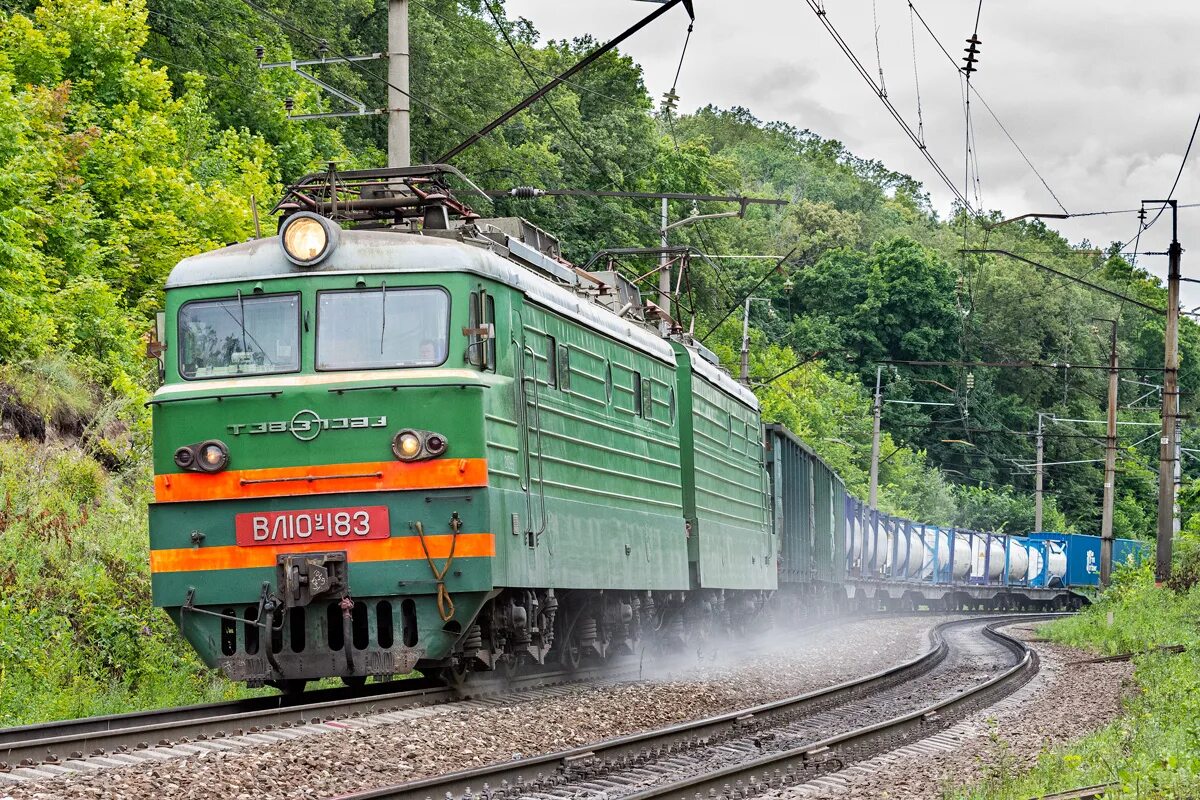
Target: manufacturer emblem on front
<point x="307" y="425"/>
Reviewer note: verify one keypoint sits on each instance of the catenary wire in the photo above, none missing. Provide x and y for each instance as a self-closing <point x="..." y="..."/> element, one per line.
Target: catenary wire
<point x="545" y="99"/>
<point x="995" y="117"/>
<point x="289" y="25"/>
<point x="823" y="17"/>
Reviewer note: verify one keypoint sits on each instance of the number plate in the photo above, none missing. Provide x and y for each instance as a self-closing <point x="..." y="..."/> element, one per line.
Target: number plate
<point x="324" y="525"/>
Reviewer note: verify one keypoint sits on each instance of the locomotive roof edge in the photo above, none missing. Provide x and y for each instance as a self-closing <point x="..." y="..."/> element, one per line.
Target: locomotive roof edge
<point x="375" y="251"/>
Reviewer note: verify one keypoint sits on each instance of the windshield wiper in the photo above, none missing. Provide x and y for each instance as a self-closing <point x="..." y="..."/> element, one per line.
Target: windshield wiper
<point x="242" y="321"/>
<point x="383" y="325"/>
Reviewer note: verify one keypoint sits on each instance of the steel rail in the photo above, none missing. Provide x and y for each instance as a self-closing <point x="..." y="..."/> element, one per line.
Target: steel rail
<point x="810" y="761"/>
<point x="512" y="779"/>
<point x="55" y="742"/>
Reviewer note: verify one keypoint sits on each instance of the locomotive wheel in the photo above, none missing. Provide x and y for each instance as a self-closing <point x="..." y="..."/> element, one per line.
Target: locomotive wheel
<point x="511" y="666"/>
<point x="455" y="676"/>
<point x="572" y="653"/>
<point x="354" y="681"/>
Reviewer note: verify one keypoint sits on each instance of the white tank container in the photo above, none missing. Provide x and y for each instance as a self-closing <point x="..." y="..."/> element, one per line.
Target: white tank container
<point x="1018" y="560"/>
<point x="1056" y="561"/>
<point x="981" y="546"/>
<point x="910" y="552"/>
<point x="1035" y="561"/>
<point x="927" y="538"/>
<point x="941" y="544"/>
<point x="877" y="547"/>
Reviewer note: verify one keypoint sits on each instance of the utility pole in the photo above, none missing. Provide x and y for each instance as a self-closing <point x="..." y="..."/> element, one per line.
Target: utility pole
<point x="399" y="152"/>
<point x="1110" y="462"/>
<point x="664" y="274"/>
<point x="874" y="486"/>
<point x="1170" y="405"/>
<point x="1037" y="481"/>
<point x="745" y="365"/>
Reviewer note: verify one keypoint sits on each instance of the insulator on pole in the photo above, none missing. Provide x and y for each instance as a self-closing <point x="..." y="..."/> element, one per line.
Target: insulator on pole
<point x="972" y="50"/>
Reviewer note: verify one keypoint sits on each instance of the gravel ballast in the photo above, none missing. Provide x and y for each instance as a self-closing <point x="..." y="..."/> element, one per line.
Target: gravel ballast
<point x="1064" y="702"/>
<point x="359" y="757"/>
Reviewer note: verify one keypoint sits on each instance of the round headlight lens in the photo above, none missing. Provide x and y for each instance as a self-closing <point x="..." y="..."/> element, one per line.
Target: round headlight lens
<point x="305" y="239"/>
<point x="184" y="458"/>
<point x="435" y="445"/>
<point x="213" y="456"/>
<point x="406" y="445"/>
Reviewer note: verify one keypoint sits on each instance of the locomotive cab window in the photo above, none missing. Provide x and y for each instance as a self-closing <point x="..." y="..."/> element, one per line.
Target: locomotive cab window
<point x="242" y="335"/>
<point x="382" y="328"/>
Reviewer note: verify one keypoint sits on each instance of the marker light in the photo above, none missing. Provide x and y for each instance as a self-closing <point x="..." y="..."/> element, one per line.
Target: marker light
<point x="307" y="238"/>
<point x="435" y="444"/>
<point x="407" y="446"/>
<point x="212" y="456"/>
<point x="185" y="458"/>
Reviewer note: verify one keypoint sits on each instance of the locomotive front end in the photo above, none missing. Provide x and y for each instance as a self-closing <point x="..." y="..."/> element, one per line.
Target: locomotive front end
<point x="321" y="501"/>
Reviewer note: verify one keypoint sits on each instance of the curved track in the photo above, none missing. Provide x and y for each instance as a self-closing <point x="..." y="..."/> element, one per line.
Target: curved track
<point x="745" y="753"/>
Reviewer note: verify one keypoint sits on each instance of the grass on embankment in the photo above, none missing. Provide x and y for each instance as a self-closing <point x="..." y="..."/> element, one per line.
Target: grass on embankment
<point x="1153" y="750"/>
<point x="78" y="635"/>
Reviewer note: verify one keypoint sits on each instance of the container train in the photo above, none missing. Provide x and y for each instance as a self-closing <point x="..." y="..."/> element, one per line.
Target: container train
<point x="398" y="435"/>
<point x="835" y="550"/>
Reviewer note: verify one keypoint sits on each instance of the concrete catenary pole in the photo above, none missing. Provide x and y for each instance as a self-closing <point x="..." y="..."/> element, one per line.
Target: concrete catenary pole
<point x="744" y="372"/>
<point x="873" y="493"/>
<point x="664" y="273"/>
<point x="1037" y="485"/>
<point x="1110" y="464"/>
<point x="399" y="152"/>
<point x="1170" y="407"/>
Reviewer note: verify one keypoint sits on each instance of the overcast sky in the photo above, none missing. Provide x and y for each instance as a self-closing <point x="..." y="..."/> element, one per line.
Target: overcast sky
<point x="1101" y="96"/>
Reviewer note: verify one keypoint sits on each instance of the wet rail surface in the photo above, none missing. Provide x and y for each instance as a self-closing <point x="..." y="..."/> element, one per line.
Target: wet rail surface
<point x="741" y="754"/>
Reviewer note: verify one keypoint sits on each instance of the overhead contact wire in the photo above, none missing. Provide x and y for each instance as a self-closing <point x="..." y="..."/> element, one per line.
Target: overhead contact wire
<point x="866" y="76"/>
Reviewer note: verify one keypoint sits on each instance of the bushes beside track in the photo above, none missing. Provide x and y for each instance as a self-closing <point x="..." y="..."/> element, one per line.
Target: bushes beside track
<point x="1153" y="750"/>
<point x="78" y="635"/>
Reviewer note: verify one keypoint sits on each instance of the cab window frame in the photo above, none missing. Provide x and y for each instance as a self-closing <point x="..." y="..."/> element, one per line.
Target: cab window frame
<point x="376" y="290"/>
<point x="252" y="295"/>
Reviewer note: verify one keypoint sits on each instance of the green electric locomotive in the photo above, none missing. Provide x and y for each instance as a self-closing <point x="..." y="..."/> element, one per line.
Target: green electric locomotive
<point x="398" y="435"/>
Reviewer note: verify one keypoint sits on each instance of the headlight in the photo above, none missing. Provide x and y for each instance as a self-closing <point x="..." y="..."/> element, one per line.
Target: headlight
<point x="208" y="456"/>
<point x="407" y="445"/>
<point x="307" y="238"/>
<point x="212" y="456"/>
<point x="411" y="445"/>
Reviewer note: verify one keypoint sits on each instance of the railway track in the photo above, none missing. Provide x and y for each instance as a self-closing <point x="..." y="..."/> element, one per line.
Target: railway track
<point x="54" y="743"/>
<point x="745" y="753"/>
